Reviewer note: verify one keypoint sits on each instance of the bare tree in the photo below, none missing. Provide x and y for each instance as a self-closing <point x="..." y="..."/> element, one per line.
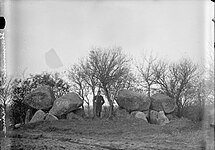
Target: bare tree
<point x="128" y="81"/>
<point x="161" y="73"/>
<point x="89" y="76"/>
<point x="175" y="78"/>
<point x="194" y="93"/>
<point x="75" y="75"/>
<point x="147" y="73"/>
<point x="110" y="65"/>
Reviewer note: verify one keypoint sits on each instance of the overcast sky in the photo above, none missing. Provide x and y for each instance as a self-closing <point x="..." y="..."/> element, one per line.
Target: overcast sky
<point x="171" y="29"/>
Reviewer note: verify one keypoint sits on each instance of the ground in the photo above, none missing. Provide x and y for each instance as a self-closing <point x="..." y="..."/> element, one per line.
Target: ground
<point x="103" y="134"/>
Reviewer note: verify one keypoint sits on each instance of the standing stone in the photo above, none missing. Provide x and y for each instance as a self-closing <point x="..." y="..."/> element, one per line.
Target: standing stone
<point x="40" y="98"/>
<point x="146" y="113"/>
<point x="133" y="113"/>
<point x="139" y="115"/>
<point x="28" y="116"/>
<point x="162" y="119"/>
<point x="38" y="116"/>
<point x="133" y="101"/>
<point x="50" y="117"/>
<point x="154" y="117"/>
<point x="16" y="126"/>
<point x="65" y="104"/>
<point x="161" y="102"/>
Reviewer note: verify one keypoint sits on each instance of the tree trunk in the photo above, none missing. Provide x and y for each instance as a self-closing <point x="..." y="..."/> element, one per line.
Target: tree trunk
<point x="110" y="103"/>
<point x="111" y="109"/>
<point x="179" y="108"/>
<point x="88" y="109"/>
<point x="94" y="106"/>
<point x="149" y="91"/>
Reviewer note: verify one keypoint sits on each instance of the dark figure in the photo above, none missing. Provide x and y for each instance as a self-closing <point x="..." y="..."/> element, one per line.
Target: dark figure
<point x="99" y="101"/>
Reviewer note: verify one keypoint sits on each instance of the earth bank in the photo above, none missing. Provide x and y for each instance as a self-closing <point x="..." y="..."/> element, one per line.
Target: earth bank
<point x="103" y="134"/>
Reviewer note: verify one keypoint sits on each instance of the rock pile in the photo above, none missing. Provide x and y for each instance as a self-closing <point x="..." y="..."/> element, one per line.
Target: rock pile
<point x="48" y="108"/>
<point x="156" y="110"/>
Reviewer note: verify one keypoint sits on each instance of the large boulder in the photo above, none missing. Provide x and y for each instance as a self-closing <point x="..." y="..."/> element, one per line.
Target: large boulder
<point x="65" y="104"/>
<point x="133" y="101"/>
<point x="28" y="116"/>
<point x="161" y="102"/>
<point x="139" y="115"/>
<point x="40" y="98"/>
<point x="38" y="116"/>
<point x="158" y="118"/>
<point x="153" y="119"/>
<point x="50" y="117"/>
<point x="162" y="119"/>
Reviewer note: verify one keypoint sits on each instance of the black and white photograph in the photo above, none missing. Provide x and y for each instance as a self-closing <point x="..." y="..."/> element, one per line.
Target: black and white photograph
<point x="107" y="74"/>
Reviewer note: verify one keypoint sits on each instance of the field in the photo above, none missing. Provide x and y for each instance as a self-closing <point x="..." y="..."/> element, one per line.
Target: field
<point x="103" y="134"/>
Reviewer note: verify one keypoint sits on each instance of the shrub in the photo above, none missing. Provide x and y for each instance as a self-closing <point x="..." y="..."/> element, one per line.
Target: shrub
<point x="194" y="112"/>
<point x="17" y="112"/>
<point x="22" y="87"/>
<point x="17" y="108"/>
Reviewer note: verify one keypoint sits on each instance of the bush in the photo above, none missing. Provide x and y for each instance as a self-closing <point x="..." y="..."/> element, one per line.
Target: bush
<point x="21" y="88"/>
<point x="194" y="112"/>
<point x="17" y="112"/>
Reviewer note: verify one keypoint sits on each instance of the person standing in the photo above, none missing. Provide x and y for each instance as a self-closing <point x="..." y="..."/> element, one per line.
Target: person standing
<point x="99" y="101"/>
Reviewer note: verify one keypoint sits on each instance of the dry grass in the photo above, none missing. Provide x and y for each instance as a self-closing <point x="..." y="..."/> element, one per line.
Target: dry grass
<point x="124" y="134"/>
